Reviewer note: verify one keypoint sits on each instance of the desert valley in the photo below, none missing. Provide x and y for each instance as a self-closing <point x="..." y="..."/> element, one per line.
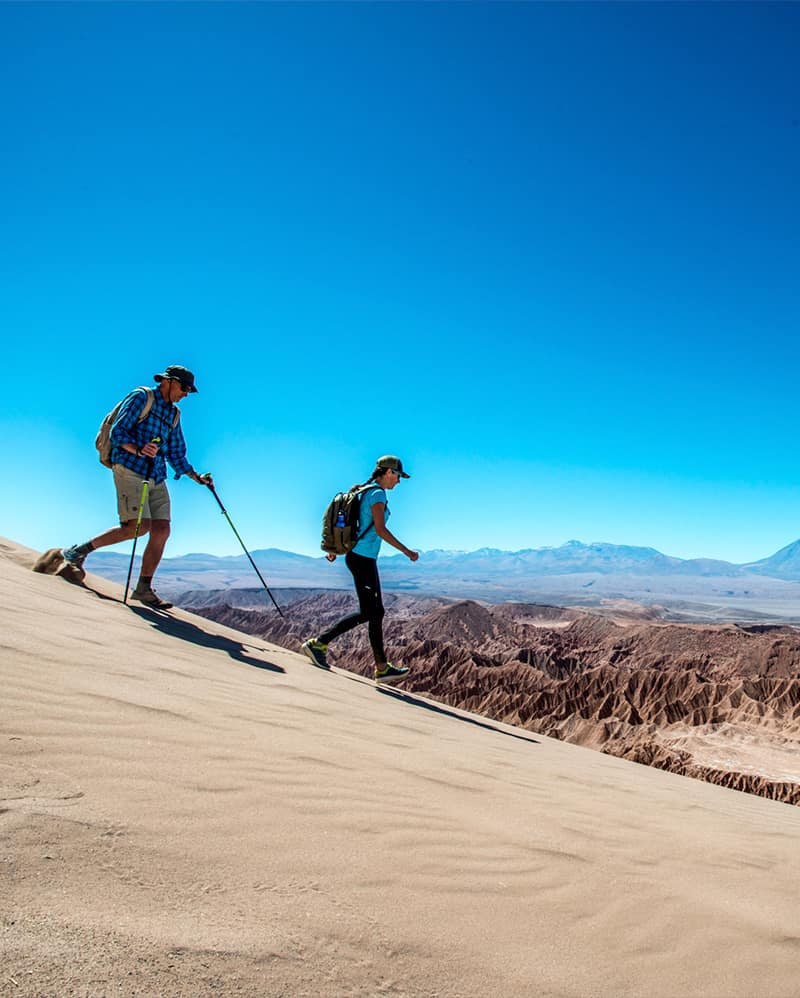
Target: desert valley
<point x="718" y="702"/>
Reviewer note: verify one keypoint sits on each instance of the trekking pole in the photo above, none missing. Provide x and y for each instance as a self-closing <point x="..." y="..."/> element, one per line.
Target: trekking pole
<point x="239" y="539"/>
<point x="146" y="482"/>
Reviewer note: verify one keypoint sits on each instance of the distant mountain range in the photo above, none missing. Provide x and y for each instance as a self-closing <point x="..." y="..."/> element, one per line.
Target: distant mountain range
<point x="573" y="574"/>
<point x="575" y="557"/>
<point x="784" y="564"/>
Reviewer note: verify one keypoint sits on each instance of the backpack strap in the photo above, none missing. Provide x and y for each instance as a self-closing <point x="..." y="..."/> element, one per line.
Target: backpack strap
<point x="148" y="405"/>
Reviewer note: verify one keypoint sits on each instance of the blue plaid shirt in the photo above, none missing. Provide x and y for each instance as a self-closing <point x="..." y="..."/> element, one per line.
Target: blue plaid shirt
<point x="158" y="423"/>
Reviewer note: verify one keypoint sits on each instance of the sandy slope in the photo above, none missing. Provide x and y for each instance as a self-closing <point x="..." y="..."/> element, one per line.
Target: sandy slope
<point x="185" y="810"/>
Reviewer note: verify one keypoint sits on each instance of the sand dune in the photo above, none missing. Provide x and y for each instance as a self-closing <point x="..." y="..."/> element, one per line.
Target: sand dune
<point x="186" y="810"/>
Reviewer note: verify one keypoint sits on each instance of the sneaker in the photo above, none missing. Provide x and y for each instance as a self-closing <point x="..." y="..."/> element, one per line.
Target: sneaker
<point x="390" y="674"/>
<point x="74" y="557"/>
<point x="150" y="598"/>
<point x="317" y="652"/>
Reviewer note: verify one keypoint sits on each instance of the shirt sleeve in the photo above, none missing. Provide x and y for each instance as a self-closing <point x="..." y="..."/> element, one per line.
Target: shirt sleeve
<point x="175" y="451"/>
<point x="375" y="495"/>
<point x="124" y="429"/>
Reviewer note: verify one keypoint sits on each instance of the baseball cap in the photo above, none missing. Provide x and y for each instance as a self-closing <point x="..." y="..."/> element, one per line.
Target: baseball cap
<point x="390" y="461"/>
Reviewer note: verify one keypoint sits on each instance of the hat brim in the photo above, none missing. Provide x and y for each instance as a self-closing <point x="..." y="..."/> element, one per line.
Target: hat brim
<point x="168" y="377"/>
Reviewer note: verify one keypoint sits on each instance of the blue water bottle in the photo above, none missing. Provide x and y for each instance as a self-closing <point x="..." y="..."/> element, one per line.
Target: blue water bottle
<point x="340" y="519"/>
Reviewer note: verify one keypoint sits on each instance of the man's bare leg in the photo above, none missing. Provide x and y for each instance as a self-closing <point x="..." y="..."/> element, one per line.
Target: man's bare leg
<point x="115" y="535"/>
<point x="159" y="532"/>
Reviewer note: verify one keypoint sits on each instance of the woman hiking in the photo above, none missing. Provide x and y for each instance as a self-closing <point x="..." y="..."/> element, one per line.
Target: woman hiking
<point x="363" y="564"/>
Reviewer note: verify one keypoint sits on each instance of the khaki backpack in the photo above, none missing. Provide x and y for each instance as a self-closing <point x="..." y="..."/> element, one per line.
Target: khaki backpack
<point x="103" y="439"/>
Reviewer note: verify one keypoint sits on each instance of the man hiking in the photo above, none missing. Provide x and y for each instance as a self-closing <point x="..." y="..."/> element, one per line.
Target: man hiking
<point x="140" y="449"/>
<point x="362" y="562"/>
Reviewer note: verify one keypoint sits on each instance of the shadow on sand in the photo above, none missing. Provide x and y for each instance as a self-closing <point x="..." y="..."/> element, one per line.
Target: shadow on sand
<point x="436" y="708"/>
<point x="185" y="631"/>
<point x="442" y="709"/>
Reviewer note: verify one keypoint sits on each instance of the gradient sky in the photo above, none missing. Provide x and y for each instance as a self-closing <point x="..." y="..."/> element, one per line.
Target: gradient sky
<point x="546" y="253"/>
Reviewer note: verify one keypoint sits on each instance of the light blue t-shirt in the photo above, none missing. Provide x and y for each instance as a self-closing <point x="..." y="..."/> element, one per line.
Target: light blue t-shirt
<point x="370" y="544"/>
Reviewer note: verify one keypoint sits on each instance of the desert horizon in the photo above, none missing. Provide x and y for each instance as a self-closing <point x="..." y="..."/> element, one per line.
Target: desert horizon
<point x="592" y="576"/>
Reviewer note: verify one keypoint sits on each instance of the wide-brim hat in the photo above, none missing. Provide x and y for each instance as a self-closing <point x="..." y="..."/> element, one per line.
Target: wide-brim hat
<point x="390" y="461"/>
<point x="177" y="373"/>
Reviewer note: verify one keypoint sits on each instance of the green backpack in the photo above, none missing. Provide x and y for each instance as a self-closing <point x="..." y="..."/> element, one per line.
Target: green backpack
<point x="102" y="441"/>
<point x="341" y="526"/>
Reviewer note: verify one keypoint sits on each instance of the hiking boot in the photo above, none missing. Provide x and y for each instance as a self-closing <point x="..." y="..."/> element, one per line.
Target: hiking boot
<point x="389" y="674"/>
<point x="148" y="596"/>
<point x="74" y="556"/>
<point x="317" y="652"/>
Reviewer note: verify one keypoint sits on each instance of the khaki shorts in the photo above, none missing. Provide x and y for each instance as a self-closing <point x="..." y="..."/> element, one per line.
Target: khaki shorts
<point x="129" y="495"/>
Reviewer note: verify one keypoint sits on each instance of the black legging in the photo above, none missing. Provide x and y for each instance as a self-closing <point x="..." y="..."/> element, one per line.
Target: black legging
<point x="368" y="589"/>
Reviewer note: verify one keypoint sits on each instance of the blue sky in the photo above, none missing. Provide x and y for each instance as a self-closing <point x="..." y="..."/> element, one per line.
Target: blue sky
<point x="547" y="253"/>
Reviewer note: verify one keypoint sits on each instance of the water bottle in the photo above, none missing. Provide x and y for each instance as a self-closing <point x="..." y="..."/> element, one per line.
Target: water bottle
<point x="340" y="519"/>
